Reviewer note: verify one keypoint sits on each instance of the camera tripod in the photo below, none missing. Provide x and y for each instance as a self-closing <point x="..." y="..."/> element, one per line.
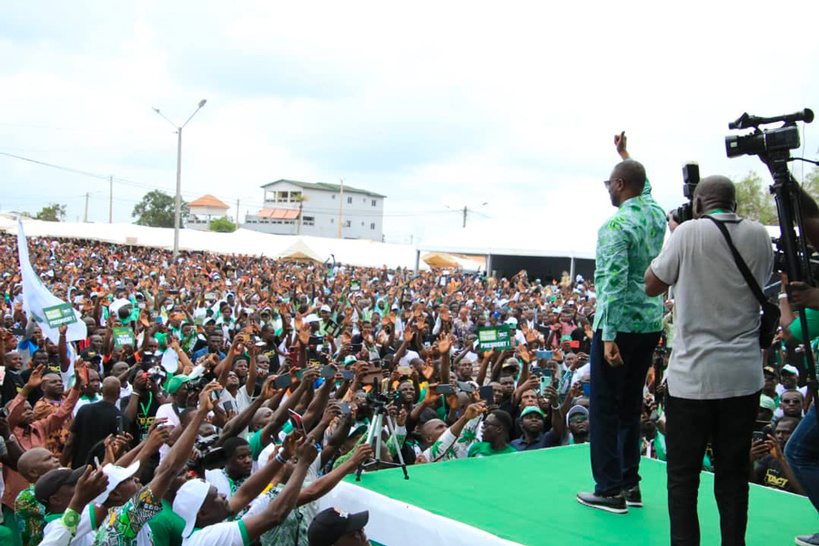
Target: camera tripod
<point x="798" y="266"/>
<point x="773" y="148"/>
<point x="380" y="415"/>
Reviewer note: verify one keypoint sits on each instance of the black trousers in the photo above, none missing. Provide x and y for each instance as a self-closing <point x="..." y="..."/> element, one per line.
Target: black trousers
<point x="728" y="423"/>
<point x="615" y="407"/>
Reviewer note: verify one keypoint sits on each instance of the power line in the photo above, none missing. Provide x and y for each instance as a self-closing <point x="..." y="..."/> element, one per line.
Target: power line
<point x="253" y="205"/>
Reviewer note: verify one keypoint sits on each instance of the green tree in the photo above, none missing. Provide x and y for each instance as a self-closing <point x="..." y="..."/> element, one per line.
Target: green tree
<point x="157" y="210"/>
<point x="811" y="183"/>
<point x="754" y="201"/>
<point x="52" y="213"/>
<point x="222" y="225"/>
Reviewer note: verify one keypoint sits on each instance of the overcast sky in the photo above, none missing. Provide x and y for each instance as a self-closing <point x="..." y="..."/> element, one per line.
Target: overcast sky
<point x="434" y="104"/>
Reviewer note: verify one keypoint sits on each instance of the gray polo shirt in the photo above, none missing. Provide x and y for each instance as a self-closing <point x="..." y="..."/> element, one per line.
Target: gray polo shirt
<point x="716" y="316"/>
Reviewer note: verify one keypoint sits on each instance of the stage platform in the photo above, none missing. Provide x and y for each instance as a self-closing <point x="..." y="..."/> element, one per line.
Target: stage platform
<point x="529" y="498"/>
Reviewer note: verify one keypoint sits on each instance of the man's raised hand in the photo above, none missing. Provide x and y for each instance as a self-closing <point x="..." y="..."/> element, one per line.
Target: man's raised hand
<point x="620" y="143"/>
<point x="473" y="410"/>
<point x="205" y="403"/>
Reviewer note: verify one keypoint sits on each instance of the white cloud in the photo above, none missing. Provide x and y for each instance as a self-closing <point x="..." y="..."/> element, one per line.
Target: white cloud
<point x="432" y="104"/>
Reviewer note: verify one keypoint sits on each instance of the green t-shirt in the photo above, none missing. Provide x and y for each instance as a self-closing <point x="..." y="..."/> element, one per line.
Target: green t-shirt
<point x="813" y="325"/>
<point x="255" y="442"/>
<point x="167" y="527"/>
<point x="484" y="449"/>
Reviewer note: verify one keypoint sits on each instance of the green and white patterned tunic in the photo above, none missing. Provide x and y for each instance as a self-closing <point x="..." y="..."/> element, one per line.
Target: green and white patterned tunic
<point x="626" y="244"/>
<point x="449" y="447"/>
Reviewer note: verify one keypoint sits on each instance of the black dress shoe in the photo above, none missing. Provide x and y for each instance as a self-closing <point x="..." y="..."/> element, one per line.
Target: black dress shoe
<point x="633" y="497"/>
<point x="616" y="504"/>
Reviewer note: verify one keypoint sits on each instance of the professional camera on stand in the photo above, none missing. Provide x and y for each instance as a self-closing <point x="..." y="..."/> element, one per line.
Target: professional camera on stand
<point x="381" y="415"/>
<point x="691" y="177"/>
<point x="773" y="147"/>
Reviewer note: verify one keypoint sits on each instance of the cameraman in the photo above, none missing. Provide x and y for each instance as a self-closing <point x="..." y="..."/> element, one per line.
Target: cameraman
<point x="715" y="371"/>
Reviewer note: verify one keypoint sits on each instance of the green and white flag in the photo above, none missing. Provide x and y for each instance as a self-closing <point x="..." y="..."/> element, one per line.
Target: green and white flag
<point x="37" y="299"/>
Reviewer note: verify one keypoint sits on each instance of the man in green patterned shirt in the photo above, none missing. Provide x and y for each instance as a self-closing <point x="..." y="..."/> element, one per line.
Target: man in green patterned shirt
<point x="627" y="326"/>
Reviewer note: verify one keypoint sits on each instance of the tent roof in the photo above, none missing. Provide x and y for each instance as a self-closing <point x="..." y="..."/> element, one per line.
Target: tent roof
<point x="208" y="200"/>
<point x="299" y="250"/>
<point x="357" y="252"/>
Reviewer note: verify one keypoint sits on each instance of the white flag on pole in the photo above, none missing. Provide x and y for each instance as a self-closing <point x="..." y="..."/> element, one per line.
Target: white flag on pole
<point x="37" y="297"/>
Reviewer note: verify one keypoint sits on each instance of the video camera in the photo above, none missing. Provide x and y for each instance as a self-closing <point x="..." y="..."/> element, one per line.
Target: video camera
<point x="379" y="399"/>
<point x="691" y="177"/>
<point x="769" y="142"/>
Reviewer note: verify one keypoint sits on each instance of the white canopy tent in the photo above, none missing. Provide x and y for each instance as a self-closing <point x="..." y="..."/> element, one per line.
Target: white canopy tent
<point x="242" y="241"/>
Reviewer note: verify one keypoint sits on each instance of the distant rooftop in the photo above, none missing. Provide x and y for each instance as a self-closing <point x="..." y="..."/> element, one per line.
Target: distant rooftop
<point x="208" y="200"/>
<point x="324" y="186"/>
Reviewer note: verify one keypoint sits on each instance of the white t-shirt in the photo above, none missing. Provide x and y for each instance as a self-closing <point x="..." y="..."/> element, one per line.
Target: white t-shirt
<point x="780" y="389"/>
<point x="409" y="357"/>
<point x="85" y="532"/>
<point x="227" y="533"/>
<point x="220" y="481"/>
<point x="166" y="410"/>
<point x="83" y="401"/>
<point x="716" y="316"/>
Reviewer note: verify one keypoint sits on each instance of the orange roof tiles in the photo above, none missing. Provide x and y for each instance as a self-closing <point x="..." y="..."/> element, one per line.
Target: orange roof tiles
<point x="208" y="200"/>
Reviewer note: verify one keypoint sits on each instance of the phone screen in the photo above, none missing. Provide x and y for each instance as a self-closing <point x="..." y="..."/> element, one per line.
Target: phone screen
<point x="545" y="381"/>
<point x="487" y="394"/>
<point x="283" y="381"/>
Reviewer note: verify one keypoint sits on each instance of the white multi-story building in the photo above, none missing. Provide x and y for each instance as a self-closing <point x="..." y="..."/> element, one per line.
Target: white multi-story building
<point x="306" y="208"/>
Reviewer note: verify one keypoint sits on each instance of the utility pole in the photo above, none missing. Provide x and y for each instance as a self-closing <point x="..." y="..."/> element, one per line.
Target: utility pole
<point x="86" y="207"/>
<point x="340" y="208"/>
<point x="178" y="199"/>
<point x="111" y="199"/>
<point x="466" y="210"/>
<point x="237" y="213"/>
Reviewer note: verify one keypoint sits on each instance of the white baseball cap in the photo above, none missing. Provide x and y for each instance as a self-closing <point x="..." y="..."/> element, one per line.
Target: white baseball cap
<point x="118" y="304"/>
<point x="325" y="308"/>
<point x="116" y="475"/>
<point x="189" y="500"/>
<point x="312" y="317"/>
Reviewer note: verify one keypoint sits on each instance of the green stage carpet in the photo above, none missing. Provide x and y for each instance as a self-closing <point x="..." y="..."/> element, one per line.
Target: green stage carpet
<point x="529" y="498"/>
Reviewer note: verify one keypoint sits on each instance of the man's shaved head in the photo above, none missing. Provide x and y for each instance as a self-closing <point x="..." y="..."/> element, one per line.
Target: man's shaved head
<point x="110" y="388"/>
<point x="35" y="462"/>
<point x="632" y="172"/>
<point x="714" y="192"/>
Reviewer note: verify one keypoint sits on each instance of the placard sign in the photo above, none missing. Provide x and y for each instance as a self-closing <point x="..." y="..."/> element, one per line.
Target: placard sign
<point x="60" y="314"/>
<point x="496" y="337"/>
<point x="123" y="336"/>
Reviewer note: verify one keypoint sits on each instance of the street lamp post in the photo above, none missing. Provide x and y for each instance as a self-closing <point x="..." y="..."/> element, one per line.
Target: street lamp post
<point x="178" y="199"/>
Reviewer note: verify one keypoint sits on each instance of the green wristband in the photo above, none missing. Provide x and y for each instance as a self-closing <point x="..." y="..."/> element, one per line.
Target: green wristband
<point x="71" y="519"/>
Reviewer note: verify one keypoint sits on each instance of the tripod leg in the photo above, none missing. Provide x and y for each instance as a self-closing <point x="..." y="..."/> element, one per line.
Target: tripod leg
<point x="379" y="420"/>
<point x="370" y="434"/>
<point x="391" y="429"/>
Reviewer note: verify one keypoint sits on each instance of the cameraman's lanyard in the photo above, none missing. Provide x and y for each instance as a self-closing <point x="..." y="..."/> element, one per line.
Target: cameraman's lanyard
<point x="145" y="408"/>
<point x="718" y="211"/>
